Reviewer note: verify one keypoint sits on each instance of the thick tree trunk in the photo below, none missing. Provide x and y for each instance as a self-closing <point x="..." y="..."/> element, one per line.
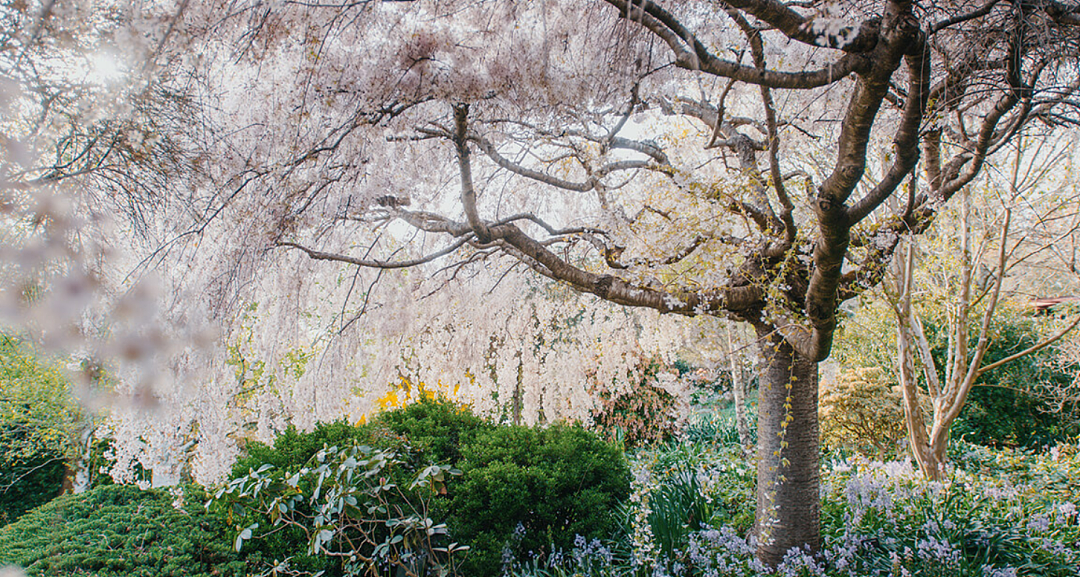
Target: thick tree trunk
<point x="788" y="476"/>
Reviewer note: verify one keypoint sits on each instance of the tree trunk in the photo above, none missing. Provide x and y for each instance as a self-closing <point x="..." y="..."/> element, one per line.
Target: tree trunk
<point x="918" y="439"/>
<point x="788" y="475"/>
<point x="738" y="392"/>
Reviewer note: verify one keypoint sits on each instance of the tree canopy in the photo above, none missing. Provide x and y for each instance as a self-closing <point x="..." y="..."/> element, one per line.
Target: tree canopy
<point x="751" y="159"/>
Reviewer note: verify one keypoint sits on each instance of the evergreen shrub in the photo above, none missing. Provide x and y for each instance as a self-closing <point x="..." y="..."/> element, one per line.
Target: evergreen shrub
<point x="120" y="530"/>
<point x="529" y="492"/>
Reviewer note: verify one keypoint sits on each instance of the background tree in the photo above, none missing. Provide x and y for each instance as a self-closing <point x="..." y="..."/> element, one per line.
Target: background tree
<point x="970" y="286"/>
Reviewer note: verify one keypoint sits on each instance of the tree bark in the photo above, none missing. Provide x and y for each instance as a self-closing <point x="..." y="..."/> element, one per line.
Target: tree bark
<point x="788" y="502"/>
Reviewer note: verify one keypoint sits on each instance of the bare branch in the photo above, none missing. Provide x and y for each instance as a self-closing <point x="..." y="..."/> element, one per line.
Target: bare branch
<point x="691" y="53"/>
<point x="374" y="263"/>
<point x="960" y="18"/>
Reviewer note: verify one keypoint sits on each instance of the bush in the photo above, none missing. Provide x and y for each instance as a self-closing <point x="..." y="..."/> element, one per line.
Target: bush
<point x="434" y="429"/>
<point x="40" y="425"/>
<point x="119" y="530"/>
<point x="1011" y="406"/>
<point x="531" y="491"/>
<point x="293" y="447"/>
<point x="344" y="505"/>
<point x="553" y="483"/>
<point x="1000" y="417"/>
<point x="862" y="410"/>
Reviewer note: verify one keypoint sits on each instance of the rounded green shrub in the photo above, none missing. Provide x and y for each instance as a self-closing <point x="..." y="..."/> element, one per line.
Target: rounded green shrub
<point x="433" y="429"/>
<point x="522" y="490"/>
<point x="530" y="491"/>
<point x="120" y="530"/>
<point x="295" y="447"/>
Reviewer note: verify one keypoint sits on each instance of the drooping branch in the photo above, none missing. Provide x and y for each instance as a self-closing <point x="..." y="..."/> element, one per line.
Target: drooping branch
<point x="852" y="39"/>
<point x="613" y="289"/>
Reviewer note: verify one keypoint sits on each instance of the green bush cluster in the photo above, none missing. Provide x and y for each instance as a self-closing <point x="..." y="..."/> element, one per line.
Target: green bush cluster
<point x="524" y="491"/>
<point x="1007" y="407"/>
<point x="120" y="530"/>
<point x="40" y="424"/>
<point x="533" y="490"/>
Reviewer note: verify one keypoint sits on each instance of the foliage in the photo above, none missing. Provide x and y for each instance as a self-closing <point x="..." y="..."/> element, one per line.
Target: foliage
<point x="121" y="531"/>
<point x="347" y="509"/>
<point x="431" y="427"/>
<point x="881" y="517"/>
<point x="677" y="508"/>
<point x="290" y="451"/>
<point x="862" y="410"/>
<point x="294" y="448"/>
<point x="40" y="426"/>
<point x="555" y="482"/>
<point x="680" y="486"/>
<point x="593" y="558"/>
<point x="716" y="428"/>
<point x="1006" y="417"/>
<point x="645" y="413"/>
<point x="1000" y="513"/>
<point x="1007" y="405"/>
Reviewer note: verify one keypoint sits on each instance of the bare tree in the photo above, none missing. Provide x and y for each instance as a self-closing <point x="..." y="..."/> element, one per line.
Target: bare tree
<point x="981" y="271"/>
